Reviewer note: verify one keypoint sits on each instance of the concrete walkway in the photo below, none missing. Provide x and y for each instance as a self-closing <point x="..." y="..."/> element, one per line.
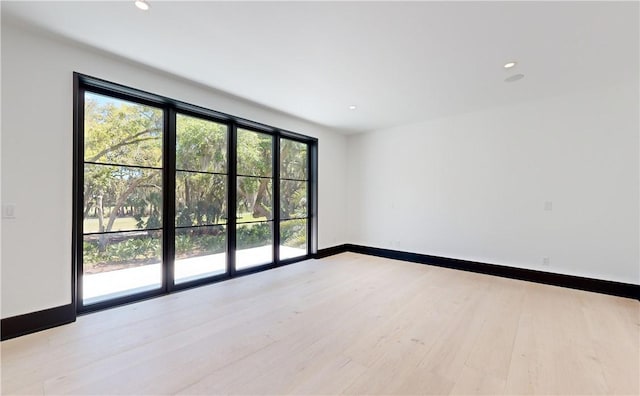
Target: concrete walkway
<point x="107" y="285"/>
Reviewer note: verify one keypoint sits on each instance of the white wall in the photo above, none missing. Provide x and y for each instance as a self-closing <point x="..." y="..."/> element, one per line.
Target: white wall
<point x="474" y="186"/>
<point x="37" y="158"/>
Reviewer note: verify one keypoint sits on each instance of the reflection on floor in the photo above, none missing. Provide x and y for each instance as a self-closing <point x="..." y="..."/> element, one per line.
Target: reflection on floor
<point x="106" y="285"/>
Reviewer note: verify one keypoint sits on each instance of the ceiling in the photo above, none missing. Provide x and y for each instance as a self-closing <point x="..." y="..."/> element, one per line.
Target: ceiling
<point x="398" y="62"/>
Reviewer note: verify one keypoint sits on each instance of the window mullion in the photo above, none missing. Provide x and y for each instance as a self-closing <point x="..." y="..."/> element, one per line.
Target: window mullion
<point x="312" y="196"/>
<point x="232" y="167"/>
<point x="276" y="198"/>
<point x="169" y="198"/>
<point x="77" y="272"/>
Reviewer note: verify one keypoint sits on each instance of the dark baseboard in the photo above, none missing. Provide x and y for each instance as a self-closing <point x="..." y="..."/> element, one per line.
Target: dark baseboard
<point x="620" y="289"/>
<point x="41" y="320"/>
<point x="322" y="253"/>
<point x="16" y="326"/>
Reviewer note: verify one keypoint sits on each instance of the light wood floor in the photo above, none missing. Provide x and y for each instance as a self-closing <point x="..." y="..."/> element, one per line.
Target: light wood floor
<point x="346" y="324"/>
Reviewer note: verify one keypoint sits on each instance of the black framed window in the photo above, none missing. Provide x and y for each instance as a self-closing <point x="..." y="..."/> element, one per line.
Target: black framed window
<point x="201" y="198"/>
<point x="156" y="182"/>
<point x="122" y="197"/>
<point x="254" y="199"/>
<point x="294" y="199"/>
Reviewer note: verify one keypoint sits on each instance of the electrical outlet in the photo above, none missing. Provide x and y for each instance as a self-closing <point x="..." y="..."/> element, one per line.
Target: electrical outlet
<point x="546" y="261"/>
<point x="548" y="206"/>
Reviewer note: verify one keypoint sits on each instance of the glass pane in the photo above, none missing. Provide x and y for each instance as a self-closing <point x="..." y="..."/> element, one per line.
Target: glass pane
<point x="119" y="198"/>
<point x="200" y="252"/>
<point x="293" y="238"/>
<point x="293" y="199"/>
<point x="254" y="244"/>
<point x="121" y="132"/>
<point x="254" y="153"/>
<point x="119" y="264"/>
<point x="201" y="199"/>
<point x="255" y="199"/>
<point x="293" y="160"/>
<point x="201" y="145"/>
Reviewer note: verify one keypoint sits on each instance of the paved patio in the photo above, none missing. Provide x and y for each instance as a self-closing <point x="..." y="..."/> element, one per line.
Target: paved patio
<point x="107" y="285"/>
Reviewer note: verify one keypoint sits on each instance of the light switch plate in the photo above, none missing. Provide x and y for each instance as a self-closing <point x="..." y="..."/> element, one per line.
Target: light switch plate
<point x="9" y="211"/>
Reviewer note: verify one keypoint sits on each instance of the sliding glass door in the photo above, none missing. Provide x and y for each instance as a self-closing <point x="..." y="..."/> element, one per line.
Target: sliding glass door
<point x="122" y="198"/>
<point x="170" y="195"/>
<point x="254" y="229"/>
<point x="201" y="198"/>
<point x="294" y="198"/>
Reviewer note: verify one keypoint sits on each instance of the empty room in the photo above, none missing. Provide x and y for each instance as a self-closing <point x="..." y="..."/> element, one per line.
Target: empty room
<point x="229" y="197"/>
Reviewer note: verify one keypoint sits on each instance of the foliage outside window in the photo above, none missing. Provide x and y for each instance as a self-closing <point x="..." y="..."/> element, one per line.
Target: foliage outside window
<point x="130" y="144"/>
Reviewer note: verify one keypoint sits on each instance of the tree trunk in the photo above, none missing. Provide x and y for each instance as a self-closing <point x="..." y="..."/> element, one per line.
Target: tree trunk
<point x="258" y="209"/>
<point x="87" y="207"/>
<point x="121" y="200"/>
<point x="102" y="241"/>
<point x="187" y="193"/>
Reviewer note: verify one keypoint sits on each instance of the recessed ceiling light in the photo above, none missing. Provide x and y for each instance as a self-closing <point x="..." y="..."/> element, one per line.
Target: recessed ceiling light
<point x="514" y="78"/>
<point x="353" y="107"/>
<point x="142" y="4"/>
<point x="509" y="65"/>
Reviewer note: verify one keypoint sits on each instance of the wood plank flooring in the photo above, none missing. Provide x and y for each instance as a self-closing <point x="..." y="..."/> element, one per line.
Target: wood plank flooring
<point x="347" y="324"/>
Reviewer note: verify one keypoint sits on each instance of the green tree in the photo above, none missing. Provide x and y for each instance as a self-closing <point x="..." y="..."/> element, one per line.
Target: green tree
<point x="201" y="146"/>
<point x="293" y="166"/>
<point x="255" y="159"/>
<point x="123" y="144"/>
<point x="117" y="134"/>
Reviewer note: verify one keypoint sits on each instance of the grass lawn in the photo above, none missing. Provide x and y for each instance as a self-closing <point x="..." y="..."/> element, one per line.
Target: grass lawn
<point x="249" y="217"/>
<point x="121" y="223"/>
<point x="129" y="223"/>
